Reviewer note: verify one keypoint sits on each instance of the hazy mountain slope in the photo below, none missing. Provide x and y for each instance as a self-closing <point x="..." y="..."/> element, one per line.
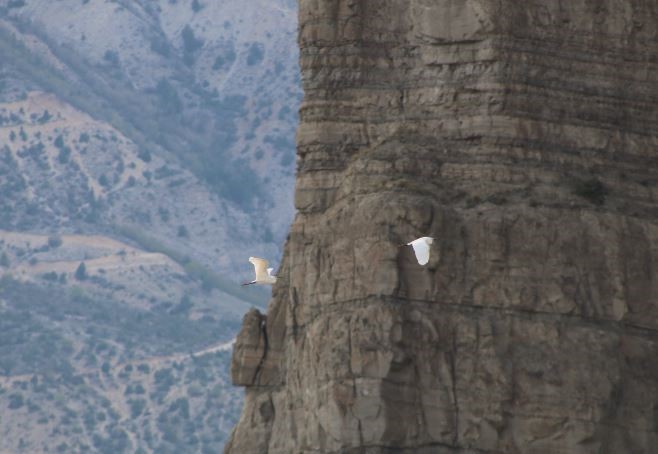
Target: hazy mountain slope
<point x="226" y="71"/>
<point x="103" y="360"/>
<point x="152" y="142"/>
<point x="69" y="341"/>
<point x="79" y="173"/>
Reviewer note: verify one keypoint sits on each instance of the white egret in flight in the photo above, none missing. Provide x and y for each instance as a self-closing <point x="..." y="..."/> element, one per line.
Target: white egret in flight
<point x="263" y="273"/>
<point x="421" y="249"/>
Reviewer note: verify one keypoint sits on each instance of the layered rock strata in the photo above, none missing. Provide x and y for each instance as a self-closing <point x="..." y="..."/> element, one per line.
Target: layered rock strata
<point x="524" y="138"/>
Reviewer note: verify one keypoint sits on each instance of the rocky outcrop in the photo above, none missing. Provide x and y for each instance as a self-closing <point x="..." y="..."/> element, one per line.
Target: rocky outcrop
<point x="523" y="138"/>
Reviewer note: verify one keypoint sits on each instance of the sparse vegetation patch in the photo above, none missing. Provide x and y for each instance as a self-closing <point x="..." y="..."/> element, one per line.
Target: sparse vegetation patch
<point x="592" y="190"/>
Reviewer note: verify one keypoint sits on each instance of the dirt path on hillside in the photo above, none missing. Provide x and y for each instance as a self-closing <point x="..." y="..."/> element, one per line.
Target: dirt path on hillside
<point x="152" y="362"/>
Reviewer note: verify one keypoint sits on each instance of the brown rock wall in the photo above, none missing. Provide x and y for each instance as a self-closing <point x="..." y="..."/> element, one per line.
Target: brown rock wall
<point x="524" y="138"/>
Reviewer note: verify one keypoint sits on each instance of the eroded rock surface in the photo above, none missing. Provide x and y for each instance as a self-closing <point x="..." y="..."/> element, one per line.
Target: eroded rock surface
<point x="524" y="138"/>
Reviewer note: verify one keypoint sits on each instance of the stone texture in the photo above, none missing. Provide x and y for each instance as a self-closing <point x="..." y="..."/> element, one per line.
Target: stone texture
<point x="524" y="139"/>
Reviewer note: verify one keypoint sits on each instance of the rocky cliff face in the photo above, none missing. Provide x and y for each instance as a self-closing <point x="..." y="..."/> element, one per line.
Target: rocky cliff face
<point x="523" y="138"/>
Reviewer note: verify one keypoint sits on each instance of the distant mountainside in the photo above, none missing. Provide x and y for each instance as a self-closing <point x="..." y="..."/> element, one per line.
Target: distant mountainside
<point x="146" y="150"/>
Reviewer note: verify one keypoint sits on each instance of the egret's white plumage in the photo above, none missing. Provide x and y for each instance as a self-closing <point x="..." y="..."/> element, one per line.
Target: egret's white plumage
<point x="263" y="273"/>
<point x="422" y="249"/>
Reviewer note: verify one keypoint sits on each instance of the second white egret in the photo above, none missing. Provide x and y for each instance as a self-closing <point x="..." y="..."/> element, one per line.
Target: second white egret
<point x="263" y="273"/>
<point x="421" y="249"/>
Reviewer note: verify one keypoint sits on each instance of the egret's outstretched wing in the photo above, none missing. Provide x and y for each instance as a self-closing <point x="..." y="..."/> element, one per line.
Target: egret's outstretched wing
<point x="422" y="249"/>
<point x="269" y="272"/>
<point x="260" y="266"/>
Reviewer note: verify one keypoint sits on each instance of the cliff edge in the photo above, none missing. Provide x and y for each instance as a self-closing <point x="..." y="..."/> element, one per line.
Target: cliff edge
<point x="525" y="140"/>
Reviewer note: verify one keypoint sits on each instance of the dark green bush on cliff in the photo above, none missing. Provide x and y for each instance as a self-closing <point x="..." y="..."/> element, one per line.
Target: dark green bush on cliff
<point x="592" y="190"/>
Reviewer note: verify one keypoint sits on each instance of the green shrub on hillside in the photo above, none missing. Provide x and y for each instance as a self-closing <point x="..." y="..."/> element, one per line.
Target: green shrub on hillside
<point x="81" y="272"/>
<point x="54" y="241"/>
<point x="191" y="44"/>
